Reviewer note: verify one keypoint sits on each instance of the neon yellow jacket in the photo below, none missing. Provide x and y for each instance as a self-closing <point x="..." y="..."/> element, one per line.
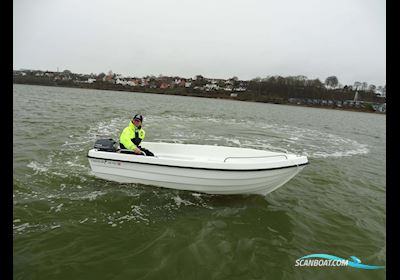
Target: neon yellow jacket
<point x="129" y="134"/>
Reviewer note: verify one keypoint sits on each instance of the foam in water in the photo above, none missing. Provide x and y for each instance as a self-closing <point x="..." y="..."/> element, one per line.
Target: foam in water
<point x="179" y="201"/>
<point x="283" y="138"/>
<point x="21" y="227"/>
<point x="84" y="220"/>
<point x="92" y="196"/>
<point x="37" y="167"/>
<point x="134" y="215"/>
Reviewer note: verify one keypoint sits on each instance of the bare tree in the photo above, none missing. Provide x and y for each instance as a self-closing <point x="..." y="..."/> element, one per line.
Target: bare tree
<point x="332" y="81"/>
<point x="371" y="87"/>
<point x="364" y="86"/>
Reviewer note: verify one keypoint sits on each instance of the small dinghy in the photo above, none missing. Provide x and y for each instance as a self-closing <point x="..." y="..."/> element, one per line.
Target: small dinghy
<point x="198" y="168"/>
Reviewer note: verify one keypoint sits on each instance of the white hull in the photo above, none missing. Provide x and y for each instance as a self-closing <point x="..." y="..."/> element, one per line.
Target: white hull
<point x="228" y="171"/>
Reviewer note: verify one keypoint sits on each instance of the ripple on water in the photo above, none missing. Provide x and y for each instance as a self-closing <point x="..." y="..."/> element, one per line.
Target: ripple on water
<point x="336" y="203"/>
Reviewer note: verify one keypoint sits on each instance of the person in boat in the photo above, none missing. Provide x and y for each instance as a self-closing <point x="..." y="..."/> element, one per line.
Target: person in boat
<point x="133" y="135"/>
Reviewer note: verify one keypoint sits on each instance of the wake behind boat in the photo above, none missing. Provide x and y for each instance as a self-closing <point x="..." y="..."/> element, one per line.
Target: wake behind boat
<point x="199" y="168"/>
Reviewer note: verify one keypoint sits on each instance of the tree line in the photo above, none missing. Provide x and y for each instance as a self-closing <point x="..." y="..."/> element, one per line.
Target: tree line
<point x="277" y="87"/>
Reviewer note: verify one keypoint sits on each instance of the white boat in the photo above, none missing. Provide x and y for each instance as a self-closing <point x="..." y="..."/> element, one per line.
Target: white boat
<point x="199" y="168"/>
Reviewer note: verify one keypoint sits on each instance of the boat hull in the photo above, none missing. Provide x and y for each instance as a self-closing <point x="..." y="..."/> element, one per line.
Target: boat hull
<point x="202" y="180"/>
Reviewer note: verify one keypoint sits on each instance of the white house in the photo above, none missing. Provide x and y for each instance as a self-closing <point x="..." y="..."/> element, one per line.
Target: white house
<point x="121" y="81"/>
<point x="209" y="87"/>
<point x="131" y="83"/>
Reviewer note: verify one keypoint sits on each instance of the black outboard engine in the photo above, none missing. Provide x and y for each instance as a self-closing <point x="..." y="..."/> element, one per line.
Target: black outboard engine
<point x="107" y="145"/>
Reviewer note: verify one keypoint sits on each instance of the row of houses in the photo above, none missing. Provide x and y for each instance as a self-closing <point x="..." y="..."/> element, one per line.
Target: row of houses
<point x="173" y="82"/>
<point x="162" y="82"/>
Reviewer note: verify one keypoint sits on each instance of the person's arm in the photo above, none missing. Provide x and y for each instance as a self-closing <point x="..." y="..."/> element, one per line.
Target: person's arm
<point x="138" y="150"/>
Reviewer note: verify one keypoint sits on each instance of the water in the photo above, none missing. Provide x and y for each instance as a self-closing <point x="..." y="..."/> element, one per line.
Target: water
<point x="69" y="224"/>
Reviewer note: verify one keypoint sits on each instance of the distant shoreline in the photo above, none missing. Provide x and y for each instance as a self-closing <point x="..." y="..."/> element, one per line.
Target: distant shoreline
<point x="203" y="95"/>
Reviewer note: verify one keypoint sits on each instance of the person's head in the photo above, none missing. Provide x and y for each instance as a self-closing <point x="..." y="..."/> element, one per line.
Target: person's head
<point x="137" y="120"/>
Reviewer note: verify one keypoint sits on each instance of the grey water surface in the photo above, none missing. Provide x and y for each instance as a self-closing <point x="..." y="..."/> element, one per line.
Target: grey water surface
<point x="68" y="224"/>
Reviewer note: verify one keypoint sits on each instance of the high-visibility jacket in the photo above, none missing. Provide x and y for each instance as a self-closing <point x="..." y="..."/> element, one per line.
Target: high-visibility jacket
<point x="131" y="136"/>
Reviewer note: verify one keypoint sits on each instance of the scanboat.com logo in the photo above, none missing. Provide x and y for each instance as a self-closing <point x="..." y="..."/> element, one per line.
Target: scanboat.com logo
<point x="330" y="260"/>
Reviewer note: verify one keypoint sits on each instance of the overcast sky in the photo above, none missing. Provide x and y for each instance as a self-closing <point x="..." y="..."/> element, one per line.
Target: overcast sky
<point x="214" y="38"/>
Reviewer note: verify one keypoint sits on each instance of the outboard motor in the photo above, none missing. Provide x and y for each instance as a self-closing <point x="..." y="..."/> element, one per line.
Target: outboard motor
<point x="107" y="145"/>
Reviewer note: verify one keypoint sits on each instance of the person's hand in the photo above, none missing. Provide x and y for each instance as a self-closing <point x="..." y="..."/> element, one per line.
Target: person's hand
<point x="138" y="151"/>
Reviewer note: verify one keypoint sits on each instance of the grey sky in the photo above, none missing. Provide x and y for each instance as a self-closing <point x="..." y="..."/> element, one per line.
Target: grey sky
<point x="214" y="38"/>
